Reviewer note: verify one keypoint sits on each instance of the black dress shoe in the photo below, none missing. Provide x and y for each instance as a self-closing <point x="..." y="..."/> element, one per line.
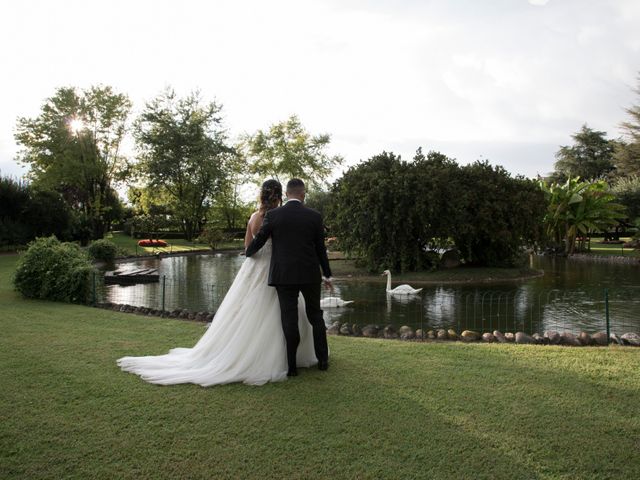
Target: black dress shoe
<point x="292" y="373"/>
<point x="323" y="364"/>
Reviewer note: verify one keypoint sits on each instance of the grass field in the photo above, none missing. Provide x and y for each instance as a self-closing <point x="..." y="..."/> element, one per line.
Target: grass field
<point x="385" y="409"/>
<point x="613" y="249"/>
<point x="130" y="245"/>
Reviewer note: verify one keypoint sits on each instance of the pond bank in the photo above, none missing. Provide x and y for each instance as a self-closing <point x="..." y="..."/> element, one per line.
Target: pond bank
<point x="590" y="257"/>
<point x="189" y="253"/>
<point x="346" y="270"/>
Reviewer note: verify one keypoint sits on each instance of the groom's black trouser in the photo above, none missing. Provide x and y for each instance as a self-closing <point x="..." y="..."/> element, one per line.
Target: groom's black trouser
<point x="288" y="297"/>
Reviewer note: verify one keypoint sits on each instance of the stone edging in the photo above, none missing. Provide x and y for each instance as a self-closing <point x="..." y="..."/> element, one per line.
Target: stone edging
<point x="180" y="314"/>
<point x="550" y="337"/>
<point x="605" y="258"/>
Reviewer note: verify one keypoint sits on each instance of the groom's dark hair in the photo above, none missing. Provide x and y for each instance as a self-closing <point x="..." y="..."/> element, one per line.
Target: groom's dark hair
<point x="295" y="186"/>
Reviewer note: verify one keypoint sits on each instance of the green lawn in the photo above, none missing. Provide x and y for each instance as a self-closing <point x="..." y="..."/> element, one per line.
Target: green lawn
<point x="130" y="245"/>
<point x="613" y="249"/>
<point x="385" y="409"/>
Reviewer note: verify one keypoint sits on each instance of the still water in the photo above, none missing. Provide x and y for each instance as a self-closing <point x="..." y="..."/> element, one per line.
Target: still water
<point x="570" y="296"/>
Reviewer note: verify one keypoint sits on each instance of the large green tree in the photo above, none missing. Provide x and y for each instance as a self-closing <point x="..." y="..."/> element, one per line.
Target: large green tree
<point x="590" y="157"/>
<point x="627" y="156"/>
<point x="577" y="208"/>
<point x="496" y="214"/>
<point x="73" y="147"/>
<point x="182" y="149"/>
<point x="392" y="213"/>
<point x="287" y="150"/>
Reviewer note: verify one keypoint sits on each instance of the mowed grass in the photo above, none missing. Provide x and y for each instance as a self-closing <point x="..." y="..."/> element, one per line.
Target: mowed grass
<point x="599" y="248"/>
<point x="130" y="245"/>
<point x="385" y="409"/>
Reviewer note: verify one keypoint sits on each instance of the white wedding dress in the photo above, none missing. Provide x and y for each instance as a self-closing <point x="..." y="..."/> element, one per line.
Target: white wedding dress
<point x="244" y="342"/>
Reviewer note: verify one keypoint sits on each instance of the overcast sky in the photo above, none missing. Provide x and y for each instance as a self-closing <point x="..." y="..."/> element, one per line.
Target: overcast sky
<point x="503" y="80"/>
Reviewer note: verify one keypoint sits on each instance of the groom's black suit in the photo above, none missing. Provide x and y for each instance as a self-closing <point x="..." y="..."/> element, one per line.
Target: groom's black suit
<point x="298" y="253"/>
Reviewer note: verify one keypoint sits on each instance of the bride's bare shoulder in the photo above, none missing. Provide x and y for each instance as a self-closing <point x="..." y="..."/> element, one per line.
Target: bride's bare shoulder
<point x="255" y="222"/>
<point x="255" y="216"/>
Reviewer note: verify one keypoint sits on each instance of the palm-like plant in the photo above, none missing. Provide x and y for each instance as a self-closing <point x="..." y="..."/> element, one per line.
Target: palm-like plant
<point x="579" y="208"/>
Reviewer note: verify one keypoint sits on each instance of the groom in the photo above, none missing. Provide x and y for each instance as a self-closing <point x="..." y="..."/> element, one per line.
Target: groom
<point x="297" y="253"/>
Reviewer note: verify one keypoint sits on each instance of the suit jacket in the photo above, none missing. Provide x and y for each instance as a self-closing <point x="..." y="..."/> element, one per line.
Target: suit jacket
<point x="298" y="250"/>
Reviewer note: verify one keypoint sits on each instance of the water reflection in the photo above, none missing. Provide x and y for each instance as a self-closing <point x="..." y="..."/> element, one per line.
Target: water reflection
<point x="570" y="296"/>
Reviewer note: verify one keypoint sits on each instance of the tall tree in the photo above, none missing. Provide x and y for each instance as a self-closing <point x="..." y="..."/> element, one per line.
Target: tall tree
<point x="627" y="156"/>
<point x="231" y="211"/>
<point x="73" y="147"/>
<point x="287" y="150"/>
<point x="590" y="157"/>
<point x="182" y="150"/>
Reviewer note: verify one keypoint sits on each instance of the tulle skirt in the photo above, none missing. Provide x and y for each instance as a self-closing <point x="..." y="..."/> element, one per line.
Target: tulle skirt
<point x="244" y="342"/>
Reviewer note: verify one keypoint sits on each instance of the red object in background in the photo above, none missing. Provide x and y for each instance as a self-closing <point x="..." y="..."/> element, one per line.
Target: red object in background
<point x="152" y="243"/>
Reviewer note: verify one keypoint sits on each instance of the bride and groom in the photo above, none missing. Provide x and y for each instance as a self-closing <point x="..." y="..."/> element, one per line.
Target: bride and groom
<point x="260" y="334"/>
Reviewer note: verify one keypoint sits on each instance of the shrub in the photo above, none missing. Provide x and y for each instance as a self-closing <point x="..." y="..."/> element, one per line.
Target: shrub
<point x="53" y="270"/>
<point x="104" y="250"/>
<point x="212" y="237"/>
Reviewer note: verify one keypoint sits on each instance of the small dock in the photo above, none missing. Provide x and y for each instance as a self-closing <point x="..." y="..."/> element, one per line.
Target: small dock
<point x="130" y="277"/>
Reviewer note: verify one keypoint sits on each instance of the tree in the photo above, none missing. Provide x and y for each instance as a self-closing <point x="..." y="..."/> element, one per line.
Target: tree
<point x="627" y="155"/>
<point x="627" y="192"/>
<point x="497" y="215"/>
<point x="27" y="212"/>
<point x="182" y="150"/>
<point x="230" y="211"/>
<point x="578" y="208"/>
<point x="393" y="213"/>
<point x="73" y="147"/>
<point x="318" y="200"/>
<point x="590" y="158"/>
<point x="288" y="150"/>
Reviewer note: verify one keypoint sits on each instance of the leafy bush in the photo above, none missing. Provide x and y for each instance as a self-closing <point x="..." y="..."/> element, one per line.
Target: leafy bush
<point x="212" y="236"/>
<point x="104" y="250"/>
<point x="53" y="270"/>
<point x="627" y="192"/>
<point x="391" y="212"/>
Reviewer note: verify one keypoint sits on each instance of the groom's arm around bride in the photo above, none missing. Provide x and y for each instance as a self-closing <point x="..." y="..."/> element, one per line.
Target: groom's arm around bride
<point x="298" y="254"/>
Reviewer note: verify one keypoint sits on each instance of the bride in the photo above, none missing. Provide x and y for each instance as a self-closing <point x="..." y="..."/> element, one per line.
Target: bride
<point x="244" y="342"/>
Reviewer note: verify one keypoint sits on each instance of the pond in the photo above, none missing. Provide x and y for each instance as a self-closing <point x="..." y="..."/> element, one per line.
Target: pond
<point x="569" y="297"/>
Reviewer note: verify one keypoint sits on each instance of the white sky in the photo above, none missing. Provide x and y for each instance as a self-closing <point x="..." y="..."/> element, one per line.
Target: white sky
<point x="503" y="80"/>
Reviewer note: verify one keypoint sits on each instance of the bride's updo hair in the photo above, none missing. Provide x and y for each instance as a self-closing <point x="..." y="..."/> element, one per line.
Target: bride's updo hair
<point x="270" y="195"/>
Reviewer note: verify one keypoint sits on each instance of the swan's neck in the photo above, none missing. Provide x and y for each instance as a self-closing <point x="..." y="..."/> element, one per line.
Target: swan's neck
<point x="388" y="281"/>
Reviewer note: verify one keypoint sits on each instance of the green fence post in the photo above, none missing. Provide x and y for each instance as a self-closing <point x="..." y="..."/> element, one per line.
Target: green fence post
<point x="606" y="313"/>
<point x="164" y="288"/>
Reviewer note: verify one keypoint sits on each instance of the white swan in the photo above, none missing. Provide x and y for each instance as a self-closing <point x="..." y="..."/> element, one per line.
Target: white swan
<point x="334" y="302"/>
<point x="400" y="289"/>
